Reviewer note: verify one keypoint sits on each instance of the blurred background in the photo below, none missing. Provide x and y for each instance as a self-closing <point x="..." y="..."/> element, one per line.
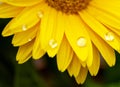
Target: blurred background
<point x="44" y="72"/>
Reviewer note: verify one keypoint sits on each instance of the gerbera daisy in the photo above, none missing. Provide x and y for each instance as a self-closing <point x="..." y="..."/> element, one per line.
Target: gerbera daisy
<point x="76" y="31"/>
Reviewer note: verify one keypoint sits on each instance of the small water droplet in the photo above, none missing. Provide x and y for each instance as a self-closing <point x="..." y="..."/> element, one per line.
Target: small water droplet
<point x="40" y="14"/>
<point x="24" y="27"/>
<point x="81" y="42"/>
<point x="53" y="43"/>
<point x="29" y="39"/>
<point x="109" y="36"/>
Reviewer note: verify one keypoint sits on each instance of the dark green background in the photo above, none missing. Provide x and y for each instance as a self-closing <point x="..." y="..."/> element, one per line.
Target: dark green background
<point x="44" y="73"/>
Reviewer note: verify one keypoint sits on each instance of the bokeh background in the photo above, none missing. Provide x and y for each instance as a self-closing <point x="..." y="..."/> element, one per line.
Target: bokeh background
<point x="44" y="72"/>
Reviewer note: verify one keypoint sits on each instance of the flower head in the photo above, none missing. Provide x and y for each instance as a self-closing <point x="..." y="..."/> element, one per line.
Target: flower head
<point x="76" y="31"/>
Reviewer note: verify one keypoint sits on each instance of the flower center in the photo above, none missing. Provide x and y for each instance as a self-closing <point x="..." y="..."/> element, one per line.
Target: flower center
<point x="68" y="6"/>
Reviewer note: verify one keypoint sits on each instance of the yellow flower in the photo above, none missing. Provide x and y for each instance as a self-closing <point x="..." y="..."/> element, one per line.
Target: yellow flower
<point x="76" y="31"/>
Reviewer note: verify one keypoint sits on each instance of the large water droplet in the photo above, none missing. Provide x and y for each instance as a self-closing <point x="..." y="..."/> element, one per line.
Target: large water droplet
<point x="53" y="43"/>
<point x="24" y="27"/>
<point x="40" y="14"/>
<point x="109" y="36"/>
<point x="81" y="42"/>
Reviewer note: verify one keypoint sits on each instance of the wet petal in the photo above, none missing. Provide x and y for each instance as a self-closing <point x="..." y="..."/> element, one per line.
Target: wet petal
<point x="116" y="31"/>
<point x="77" y="36"/>
<point x="22" y="22"/>
<point x="106" y="51"/>
<point x="51" y="34"/>
<point x="57" y="34"/>
<point x="101" y="30"/>
<point x="25" y="36"/>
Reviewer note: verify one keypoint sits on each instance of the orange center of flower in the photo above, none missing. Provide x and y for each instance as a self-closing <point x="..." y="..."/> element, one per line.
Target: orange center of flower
<point x="68" y="6"/>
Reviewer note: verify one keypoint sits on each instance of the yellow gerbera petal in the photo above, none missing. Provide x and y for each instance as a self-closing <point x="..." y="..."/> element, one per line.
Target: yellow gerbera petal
<point x="78" y="36"/>
<point x="38" y="52"/>
<point x="112" y="2"/>
<point x="105" y="18"/>
<point x="102" y="31"/>
<point x="75" y="32"/>
<point x="64" y="55"/>
<point x="57" y="36"/>
<point x="103" y="47"/>
<point x="114" y="30"/>
<point x="24" y="37"/>
<point x="83" y="64"/>
<point x="52" y="34"/>
<point x="24" y="52"/>
<point x="18" y="25"/>
<point x="82" y="75"/>
<point x="112" y="7"/>
<point x="74" y="67"/>
<point x="89" y="60"/>
<point x="21" y="2"/>
<point x="43" y="37"/>
<point x="94" y="68"/>
<point x="8" y="11"/>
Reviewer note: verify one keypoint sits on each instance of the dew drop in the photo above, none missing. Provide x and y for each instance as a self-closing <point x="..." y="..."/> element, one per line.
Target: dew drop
<point x="29" y="39"/>
<point x="109" y="36"/>
<point x="53" y="43"/>
<point x="81" y="42"/>
<point x="40" y="14"/>
<point x="24" y="27"/>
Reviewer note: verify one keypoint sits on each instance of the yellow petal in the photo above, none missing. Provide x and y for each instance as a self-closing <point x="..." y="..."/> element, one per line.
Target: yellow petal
<point x="89" y="60"/>
<point x="77" y="36"/>
<point x="112" y="7"/>
<point x="74" y="67"/>
<point x="64" y="56"/>
<point x="106" y="51"/>
<point x="101" y="30"/>
<point x="82" y="75"/>
<point x="83" y="64"/>
<point x="52" y="31"/>
<point x="24" y="52"/>
<point x="57" y="34"/>
<point x="43" y="27"/>
<point x="38" y="52"/>
<point x="25" y="36"/>
<point x="104" y="17"/>
<point x="114" y="30"/>
<point x="8" y="11"/>
<point x="21" y="2"/>
<point x="94" y="68"/>
<point x="22" y="22"/>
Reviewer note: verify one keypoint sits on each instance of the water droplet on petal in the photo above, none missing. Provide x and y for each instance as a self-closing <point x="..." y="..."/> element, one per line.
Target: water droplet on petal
<point x="81" y="42"/>
<point x="109" y="36"/>
<point x="24" y="27"/>
<point x="53" y="43"/>
<point x="29" y="39"/>
<point x="40" y="14"/>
